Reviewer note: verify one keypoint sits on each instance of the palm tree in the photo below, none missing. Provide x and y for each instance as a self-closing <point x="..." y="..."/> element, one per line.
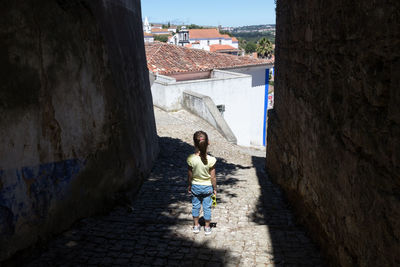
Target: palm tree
<point x="264" y="48"/>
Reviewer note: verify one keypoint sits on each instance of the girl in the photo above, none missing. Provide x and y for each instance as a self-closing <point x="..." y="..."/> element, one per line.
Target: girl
<point x="202" y="181"/>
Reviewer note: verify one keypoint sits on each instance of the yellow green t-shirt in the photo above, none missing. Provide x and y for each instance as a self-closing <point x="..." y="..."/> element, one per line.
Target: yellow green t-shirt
<point x="201" y="172"/>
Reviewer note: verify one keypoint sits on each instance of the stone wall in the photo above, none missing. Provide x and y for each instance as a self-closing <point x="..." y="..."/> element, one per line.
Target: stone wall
<point x="77" y="127"/>
<point x="333" y="138"/>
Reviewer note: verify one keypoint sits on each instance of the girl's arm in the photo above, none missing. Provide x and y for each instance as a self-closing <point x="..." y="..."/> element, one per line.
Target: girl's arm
<point x="190" y="176"/>
<point x="213" y="180"/>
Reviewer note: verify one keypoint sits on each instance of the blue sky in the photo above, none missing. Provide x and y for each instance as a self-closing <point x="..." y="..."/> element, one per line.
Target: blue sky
<point x="210" y="12"/>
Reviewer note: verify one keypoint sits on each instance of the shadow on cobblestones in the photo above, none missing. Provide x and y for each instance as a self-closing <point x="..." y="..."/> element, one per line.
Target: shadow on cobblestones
<point x="154" y="231"/>
<point x="289" y="242"/>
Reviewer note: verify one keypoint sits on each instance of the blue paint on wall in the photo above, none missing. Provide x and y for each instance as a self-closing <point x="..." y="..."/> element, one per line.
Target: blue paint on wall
<point x="27" y="193"/>
<point x="265" y="105"/>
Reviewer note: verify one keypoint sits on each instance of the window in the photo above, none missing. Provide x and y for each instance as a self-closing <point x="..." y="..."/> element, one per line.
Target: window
<point x="220" y="41"/>
<point x="208" y="42"/>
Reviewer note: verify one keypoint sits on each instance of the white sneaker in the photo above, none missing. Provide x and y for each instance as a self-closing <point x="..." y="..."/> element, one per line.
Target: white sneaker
<point x="196" y="229"/>
<point x="207" y="230"/>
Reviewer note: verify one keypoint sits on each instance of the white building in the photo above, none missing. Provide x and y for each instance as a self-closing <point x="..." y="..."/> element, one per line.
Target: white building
<point x="157" y="29"/>
<point x="146" y="26"/>
<point x="148" y="37"/>
<point x="206" y="39"/>
<point x="157" y="26"/>
<point x="238" y="84"/>
<point x="172" y="29"/>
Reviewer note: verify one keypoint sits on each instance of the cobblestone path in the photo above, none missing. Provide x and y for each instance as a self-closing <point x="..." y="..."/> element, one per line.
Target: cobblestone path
<point x="252" y="224"/>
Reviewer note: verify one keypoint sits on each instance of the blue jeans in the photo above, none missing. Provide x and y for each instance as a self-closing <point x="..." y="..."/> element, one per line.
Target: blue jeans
<point x="202" y="194"/>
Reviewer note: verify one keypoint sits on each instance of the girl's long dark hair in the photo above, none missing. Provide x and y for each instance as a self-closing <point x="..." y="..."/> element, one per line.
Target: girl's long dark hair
<point x="200" y="140"/>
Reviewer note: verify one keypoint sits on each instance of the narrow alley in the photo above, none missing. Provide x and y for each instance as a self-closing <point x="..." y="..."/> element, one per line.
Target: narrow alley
<point x="253" y="225"/>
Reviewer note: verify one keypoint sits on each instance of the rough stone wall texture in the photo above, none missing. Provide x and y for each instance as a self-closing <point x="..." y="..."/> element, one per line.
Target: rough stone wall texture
<point x="76" y="119"/>
<point x="333" y="139"/>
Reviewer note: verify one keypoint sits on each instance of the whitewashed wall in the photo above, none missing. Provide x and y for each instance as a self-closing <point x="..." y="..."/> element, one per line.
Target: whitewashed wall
<point x="166" y="94"/>
<point x="244" y="106"/>
<point x="204" y="43"/>
<point x="226" y="41"/>
<point x="229" y="42"/>
<point x="149" y="39"/>
<point x="258" y="84"/>
<point x="257" y="73"/>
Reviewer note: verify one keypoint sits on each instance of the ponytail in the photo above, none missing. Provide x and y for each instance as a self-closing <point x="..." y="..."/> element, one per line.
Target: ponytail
<point x="203" y="151"/>
<point x="200" y="139"/>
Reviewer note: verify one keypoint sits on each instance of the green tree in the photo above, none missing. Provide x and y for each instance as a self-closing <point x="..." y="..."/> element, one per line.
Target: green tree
<point x="162" y="38"/>
<point x="242" y="43"/>
<point x="194" y="26"/>
<point x="255" y="36"/>
<point x="264" y="48"/>
<point x="226" y="32"/>
<point x="250" y="48"/>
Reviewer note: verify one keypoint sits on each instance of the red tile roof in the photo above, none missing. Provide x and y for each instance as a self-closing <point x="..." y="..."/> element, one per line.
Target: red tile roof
<point x="218" y="47"/>
<point x="160" y="31"/>
<point x="147" y="34"/>
<point x="168" y="59"/>
<point x="234" y="39"/>
<point x="205" y="34"/>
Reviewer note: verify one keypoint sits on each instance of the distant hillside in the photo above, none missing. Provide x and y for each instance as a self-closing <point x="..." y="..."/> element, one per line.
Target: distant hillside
<point x="249" y="35"/>
<point x="253" y="37"/>
<point x="254" y="28"/>
<point x="253" y="33"/>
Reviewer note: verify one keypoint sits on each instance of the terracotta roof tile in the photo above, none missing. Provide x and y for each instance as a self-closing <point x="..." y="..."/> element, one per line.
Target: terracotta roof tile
<point x="160" y="31"/>
<point x="168" y="59"/>
<point x="218" y="47"/>
<point x="204" y="34"/>
<point x="234" y="39"/>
